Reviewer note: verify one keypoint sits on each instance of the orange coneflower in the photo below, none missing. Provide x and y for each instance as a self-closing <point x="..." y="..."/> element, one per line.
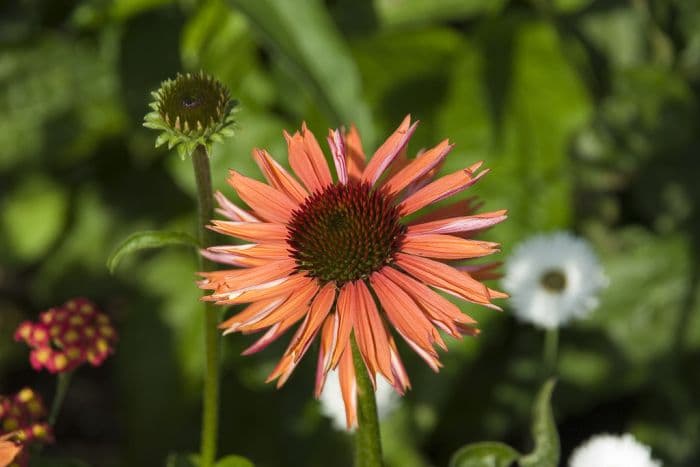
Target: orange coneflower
<point x="339" y="256"/>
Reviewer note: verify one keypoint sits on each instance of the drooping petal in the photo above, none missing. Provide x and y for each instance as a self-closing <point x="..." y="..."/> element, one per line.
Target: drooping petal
<point x="237" y="281"/>
<point x="278" y="177"/>
<point x="326" y="346"/>
<point x="446" y="246"/>
<point x="295" y="307"/>
<point x="388" y="151"/>
<point x="459" y="208"/>
<point x="320" y="307"/>
<point x="440" y="189"/>
<point x="483" y="272"/>
<point x="231" y="211"/>
<point x="348" y="387"/>
<point x="307" y="160"/>
<point x="345" y="309"/>
<point x="439" y="310"/>
<point x="233" y="259"/>
<point x="305" y="334"/>
<point x="459" y="224"/>
<point x="446" y="278"/>
<point x="402" y="383"/>
<point x="337" y="145"/>
<point x="372" y="335"/>
<point x="418" y="167"/>
<point x="407" y="318"/>
<point x="253" y="312"/>
<point x="355" y="160"/>
<point x="269" y="251"/>
<point x="285" y="286"/>
<point x="251" y="231"/>
<point x="266" y="201"/>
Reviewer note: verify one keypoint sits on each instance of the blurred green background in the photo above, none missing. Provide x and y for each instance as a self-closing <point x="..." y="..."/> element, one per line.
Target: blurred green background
<point x="586" y="111"/>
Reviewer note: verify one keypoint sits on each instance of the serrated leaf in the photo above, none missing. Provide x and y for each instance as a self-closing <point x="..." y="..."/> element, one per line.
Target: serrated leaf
<point x="148" y="240"/>
<point x="234" y="461"/>
<point x="544" y="431"/>
<point x="486" y="454"/>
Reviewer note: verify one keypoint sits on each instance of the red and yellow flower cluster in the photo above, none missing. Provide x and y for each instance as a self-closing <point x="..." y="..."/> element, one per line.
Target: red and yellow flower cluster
<point x="21" y="422"/>
<point x="66" y="337"/>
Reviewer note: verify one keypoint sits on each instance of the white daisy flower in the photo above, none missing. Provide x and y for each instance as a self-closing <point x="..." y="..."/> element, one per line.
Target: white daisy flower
<point x="612" y="451"/>
<point x="552" y="279"/>
<point x="332" y="400"/>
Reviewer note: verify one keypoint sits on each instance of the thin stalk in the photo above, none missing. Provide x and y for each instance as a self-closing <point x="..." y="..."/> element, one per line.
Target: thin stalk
<point x="62" y="385"/>
<point x="550" y="352"/>
<point x="210" y="415"/>
<point x="368" y="444"/>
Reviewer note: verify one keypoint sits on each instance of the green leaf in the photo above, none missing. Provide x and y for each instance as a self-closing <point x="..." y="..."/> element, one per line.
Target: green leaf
<point x="234" y="461"/>
<point x="304" y="37"/>
<point x="182" y="460"/>
<point x="33" y="216"/>
<point x="146" y="240"/>
<point x="392" y="12"/>
<point x="544" y="431"/>
<point x="486" y="454"/>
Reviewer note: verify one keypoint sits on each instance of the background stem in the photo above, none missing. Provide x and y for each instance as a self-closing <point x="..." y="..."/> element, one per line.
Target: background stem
<point x="210" y="416"/>
<point x="551" y="351"/>
<point x="368" y="445"/>
<point x="62" y="385"/>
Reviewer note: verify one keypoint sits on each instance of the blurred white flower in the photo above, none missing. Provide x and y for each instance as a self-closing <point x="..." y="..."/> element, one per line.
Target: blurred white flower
<point x="552" y="279"/>
<point x="332" y="400"/>
<point x="612" y="451"/>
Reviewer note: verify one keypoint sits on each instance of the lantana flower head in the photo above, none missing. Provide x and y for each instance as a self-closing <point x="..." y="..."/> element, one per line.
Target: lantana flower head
<point x="65" y="337"/>
<point x="342" y="257"/>
<point x="553" y="279"/>
<point x="606" y="450"/>
<point x="22" y="421"/>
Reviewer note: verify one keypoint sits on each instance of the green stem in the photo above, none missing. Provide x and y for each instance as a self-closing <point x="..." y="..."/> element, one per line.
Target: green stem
<point x="62" y="385"/>
<point x="550" y="353"/>
<point x="210" y="416"/>
<point x="368" y="445"/>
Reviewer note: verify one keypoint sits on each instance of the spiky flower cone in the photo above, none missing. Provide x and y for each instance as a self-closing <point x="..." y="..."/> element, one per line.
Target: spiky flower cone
<point x="191" y="110"/>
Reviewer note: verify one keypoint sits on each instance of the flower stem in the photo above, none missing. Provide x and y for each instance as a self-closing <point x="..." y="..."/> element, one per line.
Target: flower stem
<point x="62" y="385"/>
<point x="550" y="353"/>
<point x="368" y="445"/>
<point x="210" y="415"/>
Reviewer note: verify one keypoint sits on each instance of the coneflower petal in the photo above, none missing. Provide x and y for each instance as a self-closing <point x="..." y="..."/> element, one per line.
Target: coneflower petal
<point x="267" y="202"/>
<point x="418" y="167"/>
<point x="278" y="177"/>
<point x="388" y="151"/>
<point x="355" y="155"/>
<point x="447" y="246"/>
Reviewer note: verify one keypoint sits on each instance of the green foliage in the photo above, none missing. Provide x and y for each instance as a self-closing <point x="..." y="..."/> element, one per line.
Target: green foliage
<point x="191" y="460"/>
<point x="585" y="111"/>
<point x="544" y="432"/>
<point x="486" y="454"/>
<point x="147" y="240"/>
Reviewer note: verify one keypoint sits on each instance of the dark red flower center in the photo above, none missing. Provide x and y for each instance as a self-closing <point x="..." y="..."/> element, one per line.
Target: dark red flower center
<point x="345" y="232"/>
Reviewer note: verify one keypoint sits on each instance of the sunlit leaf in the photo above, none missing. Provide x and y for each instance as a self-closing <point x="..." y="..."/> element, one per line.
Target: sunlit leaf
<point x="147" y="240"/>
<point x="303" y="35"/>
